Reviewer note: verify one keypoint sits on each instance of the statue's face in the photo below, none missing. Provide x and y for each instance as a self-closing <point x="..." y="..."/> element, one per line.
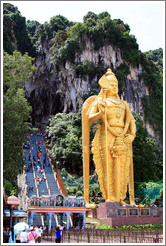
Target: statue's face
<point x="113" y="88"/>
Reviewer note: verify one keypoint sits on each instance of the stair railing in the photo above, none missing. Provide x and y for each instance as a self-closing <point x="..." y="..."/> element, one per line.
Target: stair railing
<point x="56" y="219"/>
<point x="37" y="190"/>
<point x="59" y="179"/>
<point x="43" y="168"/>
<point x="26" y="186"/>
<point x="24" y="172"/>
<point x="55" y="176"/>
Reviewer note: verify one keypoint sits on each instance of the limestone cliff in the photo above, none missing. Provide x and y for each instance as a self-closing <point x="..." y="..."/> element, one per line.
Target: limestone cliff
<point x="62" y="90"/>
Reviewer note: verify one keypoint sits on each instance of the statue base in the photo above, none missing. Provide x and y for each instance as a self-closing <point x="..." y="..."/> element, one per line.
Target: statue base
<point x="111" y="213"/>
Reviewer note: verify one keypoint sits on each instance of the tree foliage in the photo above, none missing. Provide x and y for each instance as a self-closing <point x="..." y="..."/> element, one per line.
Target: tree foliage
<point x="17" y="69"/>
<point x="59" y="22"/>
<point x="31" y="27"/>
<point x="147" y="158"/>
<point x="157" y="57"/>
<point x="15" y="35"/>
<point x="89" y="68"/>
<point x="64" y="134"/>
<point x="121" y="73"/>
<point x="153" y="104"/>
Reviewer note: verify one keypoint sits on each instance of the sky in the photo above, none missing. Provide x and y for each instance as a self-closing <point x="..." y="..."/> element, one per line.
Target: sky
<point x="145" y="18"/>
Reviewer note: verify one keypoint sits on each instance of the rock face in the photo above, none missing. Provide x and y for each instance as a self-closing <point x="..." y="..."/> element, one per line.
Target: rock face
<point x="50" y="92"/>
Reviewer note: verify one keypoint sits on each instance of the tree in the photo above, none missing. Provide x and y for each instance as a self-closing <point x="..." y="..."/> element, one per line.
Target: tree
<point x="59" y="39"/>
<point x="64" y="134"/>
<point x="103" y="15"/>
<point x="59" y="22"/>
<point x="15" y="31"/>
<point x="157" y="57"/>
<point x="90" y="15"/>
<point x="31" y="27"/>
<point x="17" y="70"/>
<point x="146" y="156"/>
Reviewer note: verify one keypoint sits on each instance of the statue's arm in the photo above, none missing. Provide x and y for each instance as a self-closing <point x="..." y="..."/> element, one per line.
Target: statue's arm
<point x="132" y="126"/>
<point x="95" y="112"/>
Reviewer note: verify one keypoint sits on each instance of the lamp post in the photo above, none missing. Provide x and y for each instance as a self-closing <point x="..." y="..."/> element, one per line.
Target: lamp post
<point x="12" y="201"/>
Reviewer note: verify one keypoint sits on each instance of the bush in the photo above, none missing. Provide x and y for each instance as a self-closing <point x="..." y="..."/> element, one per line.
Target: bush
<point x="89" y="68"/>
<point x="121" y="73"/>
<point x="134" y="226"/>
<point x="67" y="52"/>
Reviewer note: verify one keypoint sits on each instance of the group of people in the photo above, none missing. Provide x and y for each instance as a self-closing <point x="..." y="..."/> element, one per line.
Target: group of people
<point x="26" y="146"/>
<point x="57" y="201"/>
<point x="30" y="188"/>
<point x="34" y="235"/>
<point x="40" y="178"/>
<point x="8" y="235"/>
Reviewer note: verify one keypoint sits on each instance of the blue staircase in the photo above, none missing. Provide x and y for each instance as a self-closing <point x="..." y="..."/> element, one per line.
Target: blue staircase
<point x="31" y="154"/>
<point x="42" y="188"/>
<point x="29" y="175"/>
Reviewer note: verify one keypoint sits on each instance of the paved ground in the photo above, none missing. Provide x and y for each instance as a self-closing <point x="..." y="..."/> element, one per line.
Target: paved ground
<point x="44" y="241"/>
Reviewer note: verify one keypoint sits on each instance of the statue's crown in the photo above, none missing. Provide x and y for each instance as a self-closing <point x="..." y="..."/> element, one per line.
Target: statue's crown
<point x="108" y="77"/>
<point x="109" y="72"/>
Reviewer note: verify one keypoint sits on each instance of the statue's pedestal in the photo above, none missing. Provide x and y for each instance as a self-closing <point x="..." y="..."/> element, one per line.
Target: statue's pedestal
<point x="111" y="213"/>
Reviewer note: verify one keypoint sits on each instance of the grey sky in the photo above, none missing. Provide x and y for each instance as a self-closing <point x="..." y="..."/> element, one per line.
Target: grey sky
<point x="145" y="18"/>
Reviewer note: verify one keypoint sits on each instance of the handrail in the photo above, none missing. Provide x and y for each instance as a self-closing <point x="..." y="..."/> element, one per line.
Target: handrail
<point x="37" y="190"/>
<point x="24" y="173"/>
<point x="26" y="186"/>
<point x="58" y="177"/>
<point x="43" y="168"/>
<point x="51" y="165"/>
<point x="64" y="192"/>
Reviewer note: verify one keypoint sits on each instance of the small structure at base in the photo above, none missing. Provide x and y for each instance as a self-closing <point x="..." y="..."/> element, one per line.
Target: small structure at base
<point x="113" y="214"/>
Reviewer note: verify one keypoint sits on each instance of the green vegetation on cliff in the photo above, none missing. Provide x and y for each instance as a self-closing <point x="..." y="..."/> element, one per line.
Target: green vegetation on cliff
<point x="153" y="104"/>
<point x="15" y="35"/>
<point x="101" y="30"/>
<point x="157" y="57"/>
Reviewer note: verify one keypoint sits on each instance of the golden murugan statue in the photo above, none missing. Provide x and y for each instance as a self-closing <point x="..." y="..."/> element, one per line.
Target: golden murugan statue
<point x="112" y="144"/>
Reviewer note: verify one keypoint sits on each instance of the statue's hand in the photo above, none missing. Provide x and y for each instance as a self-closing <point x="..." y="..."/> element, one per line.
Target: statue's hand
<point x="101" y="106"/>
<point x="128" y="138"/>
